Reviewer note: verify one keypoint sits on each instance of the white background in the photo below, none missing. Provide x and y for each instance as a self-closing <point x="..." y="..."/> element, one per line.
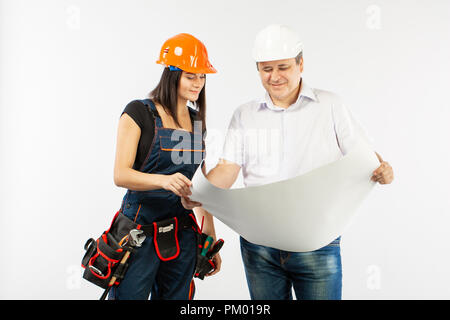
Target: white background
<point x="68" y="68"/>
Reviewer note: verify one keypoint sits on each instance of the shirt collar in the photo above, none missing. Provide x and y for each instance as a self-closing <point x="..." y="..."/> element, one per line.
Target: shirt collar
<point x="305" y="91"/>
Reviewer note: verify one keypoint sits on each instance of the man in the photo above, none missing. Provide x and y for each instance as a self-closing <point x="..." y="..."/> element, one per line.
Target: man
<point x="293" y="130"/>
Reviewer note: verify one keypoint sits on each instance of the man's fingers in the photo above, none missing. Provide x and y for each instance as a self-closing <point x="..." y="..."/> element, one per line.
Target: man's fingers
<point x="383" y="174"/>
<point x="383" y="179"/>
<point x="377" y="178"/>
<point x="196" y="204"/>
<point x="190" y="204"/>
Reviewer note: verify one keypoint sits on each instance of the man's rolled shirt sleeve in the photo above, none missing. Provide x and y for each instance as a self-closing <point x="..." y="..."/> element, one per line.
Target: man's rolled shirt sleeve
<point x="348" y="128"/>
<point x="233" y="148"/>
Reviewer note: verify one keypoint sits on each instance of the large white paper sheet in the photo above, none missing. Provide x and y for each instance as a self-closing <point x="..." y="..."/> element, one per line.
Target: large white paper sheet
<point x="301" y="214"/>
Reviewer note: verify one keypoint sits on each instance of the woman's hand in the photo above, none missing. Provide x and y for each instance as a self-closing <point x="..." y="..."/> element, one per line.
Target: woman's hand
<point x="217" y="262"/>
<point x="189" y="204"/>
<point x="177" y="183"/>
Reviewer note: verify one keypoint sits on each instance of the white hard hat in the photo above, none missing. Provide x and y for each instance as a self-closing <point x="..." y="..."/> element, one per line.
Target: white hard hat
<point x="276" y="42"/>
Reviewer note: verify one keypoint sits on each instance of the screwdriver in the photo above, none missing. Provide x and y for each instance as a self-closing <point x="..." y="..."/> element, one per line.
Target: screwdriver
<point x="217" y="246"/>
<point x="206" y="245"/>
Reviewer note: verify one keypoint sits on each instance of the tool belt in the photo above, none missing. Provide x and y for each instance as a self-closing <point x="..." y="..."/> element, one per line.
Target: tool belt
<point x="102" y="257"/>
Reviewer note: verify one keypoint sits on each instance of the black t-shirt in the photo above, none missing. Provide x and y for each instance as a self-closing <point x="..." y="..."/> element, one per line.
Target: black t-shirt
<point x="143" y="117"/>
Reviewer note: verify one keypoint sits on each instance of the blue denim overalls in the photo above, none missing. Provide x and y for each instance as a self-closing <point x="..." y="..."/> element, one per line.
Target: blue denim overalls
<point x="171" y="151"/>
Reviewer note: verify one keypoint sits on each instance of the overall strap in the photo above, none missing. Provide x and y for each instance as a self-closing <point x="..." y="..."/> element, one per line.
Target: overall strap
<point x="195" y="116"/>
<point x="152" y="108"/>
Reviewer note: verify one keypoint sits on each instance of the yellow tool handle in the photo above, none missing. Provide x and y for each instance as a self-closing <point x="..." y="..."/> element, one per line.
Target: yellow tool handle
<point x="124" y="259"/>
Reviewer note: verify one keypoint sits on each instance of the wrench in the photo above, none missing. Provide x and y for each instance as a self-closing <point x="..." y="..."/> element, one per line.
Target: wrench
<point x="136" y="238"/>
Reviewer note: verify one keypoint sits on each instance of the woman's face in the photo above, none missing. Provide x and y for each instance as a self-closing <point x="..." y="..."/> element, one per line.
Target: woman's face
<point x="190" y="85"/>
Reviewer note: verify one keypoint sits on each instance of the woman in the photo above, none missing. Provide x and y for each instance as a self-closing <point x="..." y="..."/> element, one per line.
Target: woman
<point x="159" y="148"/>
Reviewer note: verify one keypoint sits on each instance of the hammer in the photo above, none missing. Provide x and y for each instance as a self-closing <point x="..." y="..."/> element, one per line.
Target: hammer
<point x="135" y="240"/>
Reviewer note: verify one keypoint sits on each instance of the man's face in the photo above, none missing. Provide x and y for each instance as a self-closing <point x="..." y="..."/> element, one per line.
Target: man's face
<point x="280" y="78"/>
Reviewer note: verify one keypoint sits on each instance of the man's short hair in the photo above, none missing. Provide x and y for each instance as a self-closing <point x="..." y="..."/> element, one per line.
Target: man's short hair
<point x="297" y="59"/>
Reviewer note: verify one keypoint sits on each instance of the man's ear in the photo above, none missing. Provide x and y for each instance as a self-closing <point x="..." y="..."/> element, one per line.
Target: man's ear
<point x="301" y="64"/>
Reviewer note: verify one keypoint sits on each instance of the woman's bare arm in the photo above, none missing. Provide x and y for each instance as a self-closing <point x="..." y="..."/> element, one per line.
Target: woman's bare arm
<point x="127" y="142"/>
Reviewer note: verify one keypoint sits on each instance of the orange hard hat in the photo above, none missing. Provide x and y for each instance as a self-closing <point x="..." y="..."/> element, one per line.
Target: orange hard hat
<point x="187" y="53"/>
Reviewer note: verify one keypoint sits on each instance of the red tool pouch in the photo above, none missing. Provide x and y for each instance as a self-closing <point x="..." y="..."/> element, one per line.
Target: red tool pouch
<point x="103" y="255"/>
<point x="166" y="239"/>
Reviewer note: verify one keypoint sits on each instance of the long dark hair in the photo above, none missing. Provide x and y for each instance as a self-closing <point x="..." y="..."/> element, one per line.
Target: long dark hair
<point x="166" y="94"/>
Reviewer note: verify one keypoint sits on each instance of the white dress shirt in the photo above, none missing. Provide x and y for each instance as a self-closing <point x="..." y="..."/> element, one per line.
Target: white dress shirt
<point x="271" y="143"/>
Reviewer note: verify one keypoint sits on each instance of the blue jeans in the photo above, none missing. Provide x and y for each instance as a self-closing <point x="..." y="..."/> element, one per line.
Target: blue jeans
<point x="271" y="273"/>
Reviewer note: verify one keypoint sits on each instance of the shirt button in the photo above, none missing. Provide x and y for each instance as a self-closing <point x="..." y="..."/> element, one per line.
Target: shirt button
<point x="128" y="206"/>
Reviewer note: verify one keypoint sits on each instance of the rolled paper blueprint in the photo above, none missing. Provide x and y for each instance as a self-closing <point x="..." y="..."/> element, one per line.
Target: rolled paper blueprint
<point x="300" y="214"/>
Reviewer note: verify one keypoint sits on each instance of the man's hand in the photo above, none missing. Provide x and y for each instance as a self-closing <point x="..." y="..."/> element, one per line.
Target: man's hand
<point x="383" y="174"/>
<point x="189" y="204"/>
